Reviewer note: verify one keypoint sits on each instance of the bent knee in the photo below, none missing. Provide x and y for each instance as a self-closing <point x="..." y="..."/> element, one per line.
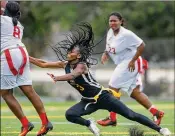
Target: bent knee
<point x="70" y="114"/>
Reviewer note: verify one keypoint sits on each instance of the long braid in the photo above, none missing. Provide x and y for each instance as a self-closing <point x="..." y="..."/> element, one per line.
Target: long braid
<point x="80" y="36"/>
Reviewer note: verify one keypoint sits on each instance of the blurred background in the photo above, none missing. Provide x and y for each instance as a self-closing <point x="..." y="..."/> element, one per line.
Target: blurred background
<point x="153" y="21"/>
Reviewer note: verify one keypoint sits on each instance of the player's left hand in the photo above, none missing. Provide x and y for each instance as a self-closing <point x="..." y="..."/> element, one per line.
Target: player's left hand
<point x="131" y="66"/>
<point x="52" y="76"/>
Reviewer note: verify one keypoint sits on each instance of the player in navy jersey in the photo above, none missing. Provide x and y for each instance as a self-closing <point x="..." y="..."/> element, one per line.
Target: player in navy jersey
<point x="76" y="52"/>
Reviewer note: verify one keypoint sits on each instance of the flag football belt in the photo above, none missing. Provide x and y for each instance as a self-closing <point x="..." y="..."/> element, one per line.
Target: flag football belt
<point x="114" y="93"/>
<point x="12" y="48"/>
<point x="10" y="62"/>
<point x="93" y="100"/>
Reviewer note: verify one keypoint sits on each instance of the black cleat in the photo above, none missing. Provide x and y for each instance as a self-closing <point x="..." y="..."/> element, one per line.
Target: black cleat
<point x="25" y="130"/>
<point x="44" y="129"/>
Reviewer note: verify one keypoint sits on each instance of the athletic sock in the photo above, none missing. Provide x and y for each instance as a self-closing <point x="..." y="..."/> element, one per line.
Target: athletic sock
<point x="113" y="116"/>
<point x="24" y="121"/>
<point x="87" y="123"/>
<point x="43" y="118"/>
<point x="153" y="109"/>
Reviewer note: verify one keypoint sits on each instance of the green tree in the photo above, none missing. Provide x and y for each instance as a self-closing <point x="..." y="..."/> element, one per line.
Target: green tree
<point x="148" y="19"/>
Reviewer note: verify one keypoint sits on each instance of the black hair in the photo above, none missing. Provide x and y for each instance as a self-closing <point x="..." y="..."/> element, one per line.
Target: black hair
<point x="81" y="36"/>
<point x="119" y="16"/>
<point x="12" y="9"/>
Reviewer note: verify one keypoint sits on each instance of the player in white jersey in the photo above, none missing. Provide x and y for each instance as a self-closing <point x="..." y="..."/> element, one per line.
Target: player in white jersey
<point x="15" y="70"/>
<point x="125" y="49"/>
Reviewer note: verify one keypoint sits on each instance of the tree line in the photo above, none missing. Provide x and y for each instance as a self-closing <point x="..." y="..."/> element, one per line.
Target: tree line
<point x="150" y="20"/>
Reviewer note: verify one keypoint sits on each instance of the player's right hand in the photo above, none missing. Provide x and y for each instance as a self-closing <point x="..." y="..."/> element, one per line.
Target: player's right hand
<point x="52" y="76"/>
<point x="104" y="58"/>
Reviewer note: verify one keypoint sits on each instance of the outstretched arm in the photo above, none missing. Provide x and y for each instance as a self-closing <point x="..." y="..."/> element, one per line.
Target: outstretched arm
<point x="45" y="64"/>
<point x="79" y="70"/>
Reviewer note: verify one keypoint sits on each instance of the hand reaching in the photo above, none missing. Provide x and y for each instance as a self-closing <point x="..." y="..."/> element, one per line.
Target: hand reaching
<point x="53" y="77"/>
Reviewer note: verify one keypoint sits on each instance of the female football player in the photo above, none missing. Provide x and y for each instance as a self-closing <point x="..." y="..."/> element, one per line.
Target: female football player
<point x="125" y="48"/>
<point x="75" y="52"/>
<point x="15" y="71"/>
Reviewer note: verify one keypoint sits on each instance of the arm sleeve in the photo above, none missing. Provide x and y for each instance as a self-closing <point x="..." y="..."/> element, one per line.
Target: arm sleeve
<point x="134" y="40"/>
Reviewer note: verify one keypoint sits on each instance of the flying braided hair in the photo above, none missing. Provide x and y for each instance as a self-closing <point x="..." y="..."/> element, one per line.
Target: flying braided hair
<point x="81" y="36"/>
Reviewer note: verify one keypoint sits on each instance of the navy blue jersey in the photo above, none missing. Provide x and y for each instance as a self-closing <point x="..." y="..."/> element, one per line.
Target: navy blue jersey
<point x="85" y="83"/>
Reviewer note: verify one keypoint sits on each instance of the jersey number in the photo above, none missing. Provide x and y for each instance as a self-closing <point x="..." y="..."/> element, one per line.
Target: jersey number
<point x="111" y="50"/>
<point x="79" y="87"/>
<point x="16" y="32"/>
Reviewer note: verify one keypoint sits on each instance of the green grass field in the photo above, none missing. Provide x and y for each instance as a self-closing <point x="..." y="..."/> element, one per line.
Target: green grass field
<point x="10" y="126"/>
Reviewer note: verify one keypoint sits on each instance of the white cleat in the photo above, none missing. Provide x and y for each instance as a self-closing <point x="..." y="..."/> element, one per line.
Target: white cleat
<point x="165" y="132"/>
<point x="93" y="128"/>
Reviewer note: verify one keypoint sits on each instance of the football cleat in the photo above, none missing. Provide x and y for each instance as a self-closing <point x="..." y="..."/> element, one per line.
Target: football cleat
<point x="93" y="128"/>
<point x="107" y="122"/>
<point x="165" y="132"/>
<point x="44" y="129"/>
<point x="26" y="129"/>
<point x="158" y="117"/>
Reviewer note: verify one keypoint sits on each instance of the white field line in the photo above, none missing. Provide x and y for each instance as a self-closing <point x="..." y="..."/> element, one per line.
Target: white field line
<point x="81" y="133"/>
<point x="120" y="124"/>
<point x="85" y="133"/>
<point x="69" y="123"/>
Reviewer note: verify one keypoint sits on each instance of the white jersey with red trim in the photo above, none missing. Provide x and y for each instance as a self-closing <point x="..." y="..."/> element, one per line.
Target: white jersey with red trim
<point x="11" y="35"/>
<point x="123" y="46"/>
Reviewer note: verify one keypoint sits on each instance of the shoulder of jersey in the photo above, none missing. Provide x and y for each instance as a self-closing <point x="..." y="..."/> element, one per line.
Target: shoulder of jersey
<point x="6" y="19"/>
<point x="126" y="32"/>
<point x="110" y="33"/>
<point x="3" y="17"/>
